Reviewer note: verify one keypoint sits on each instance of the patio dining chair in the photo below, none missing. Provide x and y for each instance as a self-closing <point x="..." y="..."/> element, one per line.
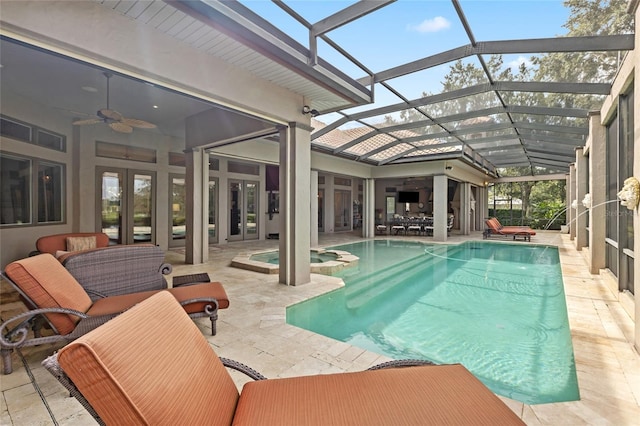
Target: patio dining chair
<point x="170" y="375"/>
<point x="57" y="301"/>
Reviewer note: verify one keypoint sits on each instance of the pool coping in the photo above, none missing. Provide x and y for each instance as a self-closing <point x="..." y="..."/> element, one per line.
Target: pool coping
<point x="344" y="259"/>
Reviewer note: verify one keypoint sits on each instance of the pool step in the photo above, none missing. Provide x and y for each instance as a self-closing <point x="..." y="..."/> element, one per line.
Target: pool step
<point x="372" y="286"/>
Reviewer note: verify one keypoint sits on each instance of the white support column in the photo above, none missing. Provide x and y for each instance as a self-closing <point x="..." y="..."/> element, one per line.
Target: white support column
<point x="197" y="220"/>
<point x="440" y="208"/>
<point x="295" y="204"/>
<point x="581" y="191"/>
<point x="314" y="208"/>
<point x="465" y="208"/>
<point x="571" y="190"/>
<point x="369" y="207"/>
<point x="598" y="191"/>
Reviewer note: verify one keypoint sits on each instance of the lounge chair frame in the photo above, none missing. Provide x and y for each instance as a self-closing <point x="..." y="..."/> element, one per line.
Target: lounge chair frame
<point x="14" y="332"/>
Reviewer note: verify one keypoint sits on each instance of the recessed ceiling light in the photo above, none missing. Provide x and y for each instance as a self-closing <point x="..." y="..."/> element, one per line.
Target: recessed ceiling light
<point x="89" y="89"/>
<point x="155" y="106"/>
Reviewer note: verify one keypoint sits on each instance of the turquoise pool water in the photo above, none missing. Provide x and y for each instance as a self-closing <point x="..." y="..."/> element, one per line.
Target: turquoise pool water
<point x="499" y="309"/>
<point x="273" y="257"/>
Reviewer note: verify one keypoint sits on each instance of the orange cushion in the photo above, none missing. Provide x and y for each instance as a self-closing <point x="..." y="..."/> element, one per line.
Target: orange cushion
<point x="120" y="303"/>
<point x="45" y="281"/>
<point x="437" y="395"/>
<point x="151" y="365"/>
<point x="53" y="243"/>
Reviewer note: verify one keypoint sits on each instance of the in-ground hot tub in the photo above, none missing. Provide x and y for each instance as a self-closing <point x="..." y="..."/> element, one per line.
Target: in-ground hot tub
<point x="326" y="262"/>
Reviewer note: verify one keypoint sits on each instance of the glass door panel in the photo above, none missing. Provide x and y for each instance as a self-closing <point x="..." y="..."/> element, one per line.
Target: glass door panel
<point x="320" y="210"/>
<point x="178" y="211"/>
<point x="142" y="208"/>
<point x="251" y="207"/>
<point x="342" y="210"/>
<point x="213" y="210"/>
<point x="111" y="206"/>
<point x="235" y="210"/>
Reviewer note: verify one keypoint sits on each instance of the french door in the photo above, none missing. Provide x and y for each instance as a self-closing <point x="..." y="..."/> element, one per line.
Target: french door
<point x="126" y="205"/>
<point x="243" y="210"/>
<point x="177" y="226"/>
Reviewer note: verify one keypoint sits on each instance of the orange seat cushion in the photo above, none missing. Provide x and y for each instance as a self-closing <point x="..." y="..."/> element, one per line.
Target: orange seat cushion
<point x="120" y="303"/>
<point x="49" y="285"/>
<point x="435" y="395"/>
<point x="151" y="365"/>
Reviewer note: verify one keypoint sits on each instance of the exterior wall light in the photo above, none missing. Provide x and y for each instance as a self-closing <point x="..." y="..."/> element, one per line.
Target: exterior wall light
<point x="586" y="201"/>
<point x="307" y="110"/>
<point x="574" y="204"/>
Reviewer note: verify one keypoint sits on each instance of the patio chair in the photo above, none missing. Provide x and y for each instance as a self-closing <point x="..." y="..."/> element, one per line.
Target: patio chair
<point x="123" y="374"/>
<point x="494" y="227"/>
<point x="57" y="301"/>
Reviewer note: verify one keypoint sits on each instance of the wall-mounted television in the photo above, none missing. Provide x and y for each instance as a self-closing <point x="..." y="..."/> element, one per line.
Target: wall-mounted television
<point x="408" y="197"/>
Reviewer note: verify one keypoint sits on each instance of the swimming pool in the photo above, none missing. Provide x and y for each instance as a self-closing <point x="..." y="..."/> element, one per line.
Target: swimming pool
<point x="497" y="308"/>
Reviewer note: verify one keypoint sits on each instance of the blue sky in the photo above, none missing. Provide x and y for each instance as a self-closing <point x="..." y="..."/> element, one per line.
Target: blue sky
<point x="408" y="30"/>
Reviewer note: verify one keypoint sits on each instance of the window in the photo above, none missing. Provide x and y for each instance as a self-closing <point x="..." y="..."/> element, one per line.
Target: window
<point x="20" y="179"/>
<point x="125" y="152"/>
<point x="30" y="133"/>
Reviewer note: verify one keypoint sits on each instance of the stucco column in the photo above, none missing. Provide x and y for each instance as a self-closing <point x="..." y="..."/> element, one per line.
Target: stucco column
<point x="571" y="190"/>
<point x="313" y="192"/>
<point x="440" y="208"/>
<point x="598" y="191"/>
<point x="465" y="208"/>
<point x="197" y="219"/>
<point x="369" y="207"/>
<point x="581" y="190"/>
<point x="295" y="204"/>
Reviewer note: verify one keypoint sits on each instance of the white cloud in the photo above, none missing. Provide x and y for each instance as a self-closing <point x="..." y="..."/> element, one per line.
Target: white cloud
<point x="515" y="64"/>
<point x="431" y="25"/>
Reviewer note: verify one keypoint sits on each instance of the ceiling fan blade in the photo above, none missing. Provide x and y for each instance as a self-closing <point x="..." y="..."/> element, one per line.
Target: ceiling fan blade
<point x="110" y="114"/>
<point x="134" y="122"/>
<point x="121" y="127"/>
<point x="87" y="121"/>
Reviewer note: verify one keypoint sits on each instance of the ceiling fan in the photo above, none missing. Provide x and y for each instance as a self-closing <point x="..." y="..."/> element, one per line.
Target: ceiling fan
<point x="114" y="119"/>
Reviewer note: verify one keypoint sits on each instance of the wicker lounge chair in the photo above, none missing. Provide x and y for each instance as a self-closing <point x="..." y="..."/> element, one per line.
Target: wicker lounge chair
<point x="125" y="375"/>
<point x="494" y="227"/>
<point x="57" y="301"/>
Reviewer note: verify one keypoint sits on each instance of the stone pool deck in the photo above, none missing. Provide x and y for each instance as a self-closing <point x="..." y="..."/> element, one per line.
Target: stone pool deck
<point x="253" y="331"/>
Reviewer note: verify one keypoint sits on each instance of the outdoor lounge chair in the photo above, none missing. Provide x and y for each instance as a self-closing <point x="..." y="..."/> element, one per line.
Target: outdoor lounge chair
<point x="170" y="375"/>
<point x="494" y="227"/>
<point x="56" y="300"/>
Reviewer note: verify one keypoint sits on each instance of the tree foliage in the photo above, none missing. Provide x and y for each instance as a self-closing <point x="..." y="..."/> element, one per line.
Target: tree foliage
<point x="586" y="18"/>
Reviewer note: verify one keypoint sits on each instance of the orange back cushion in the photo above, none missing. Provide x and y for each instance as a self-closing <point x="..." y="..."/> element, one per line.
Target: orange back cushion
<point x="53" y="243"/>
<point x="49" y="285"/>
<point x="151" y="365"/>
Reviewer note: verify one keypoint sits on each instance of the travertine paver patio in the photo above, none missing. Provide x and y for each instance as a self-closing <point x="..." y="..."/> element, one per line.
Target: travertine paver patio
<point x="253" y="331"/>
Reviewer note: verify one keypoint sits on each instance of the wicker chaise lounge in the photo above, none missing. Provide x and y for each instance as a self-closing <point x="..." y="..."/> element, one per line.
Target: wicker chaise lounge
<point x="56" y="300"/>
<point x="494" y="227"/>
<point x="170" y="375"/>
